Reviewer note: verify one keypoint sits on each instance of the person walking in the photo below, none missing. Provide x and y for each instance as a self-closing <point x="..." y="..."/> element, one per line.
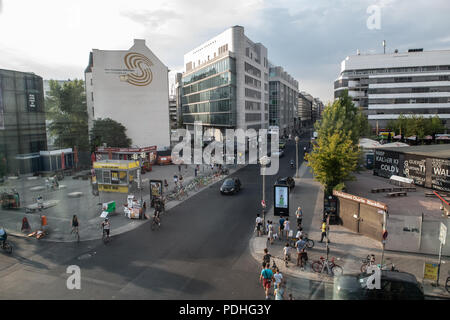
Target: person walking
<point x="266" y="277"/>
<point x="179" y="168"/>
<point x="287" y="227"/>
<point x="301" y="246"/>
<point x="287" y="253"/>
<point x="270" y="232"/>
<point x="259" y="224"/>
<point x="266" y="257"/>
<point x="278" y="277"/>
<point x="175" y="180"/>
<point x="281" y="227"/>
<point x="324" y="229"/>
<point x="299" y="215"/>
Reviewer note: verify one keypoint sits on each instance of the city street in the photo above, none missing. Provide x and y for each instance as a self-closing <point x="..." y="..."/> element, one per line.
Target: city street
<point x="200" y="252"/>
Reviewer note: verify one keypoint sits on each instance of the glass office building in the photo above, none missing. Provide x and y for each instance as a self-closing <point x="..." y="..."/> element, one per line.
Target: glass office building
<point x="22" y="121"/>
<point x="209" y="95"/>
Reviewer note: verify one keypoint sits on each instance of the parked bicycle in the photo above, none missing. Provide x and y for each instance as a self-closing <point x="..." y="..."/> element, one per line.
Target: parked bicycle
<point x="329" y="266"/>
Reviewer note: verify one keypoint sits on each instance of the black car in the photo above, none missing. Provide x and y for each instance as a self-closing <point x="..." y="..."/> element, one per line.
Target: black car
<point x="230" y="186"/>
<point x="394" y="285"/>
<point x="289" y="181"/>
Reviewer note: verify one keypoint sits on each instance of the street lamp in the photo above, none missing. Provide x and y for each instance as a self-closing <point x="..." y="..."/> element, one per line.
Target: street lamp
<point x="264" y="162"/>
<point x="297" y="139"/>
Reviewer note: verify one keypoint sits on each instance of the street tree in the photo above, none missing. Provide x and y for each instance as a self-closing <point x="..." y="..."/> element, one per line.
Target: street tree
<point x="65" y="107"/>
<point x="333" y="159"/>
<point x="110" y="132"/>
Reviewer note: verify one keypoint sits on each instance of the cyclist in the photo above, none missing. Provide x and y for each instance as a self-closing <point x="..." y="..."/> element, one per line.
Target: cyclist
<point x="156" y="217"/>
<point x="106" y="225"/>
<point x="74" y="224"/>
<point x="3" y="236"/>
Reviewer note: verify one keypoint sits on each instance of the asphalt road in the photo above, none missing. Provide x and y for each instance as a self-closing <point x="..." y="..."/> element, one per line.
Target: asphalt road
<point x="200" y="252"/>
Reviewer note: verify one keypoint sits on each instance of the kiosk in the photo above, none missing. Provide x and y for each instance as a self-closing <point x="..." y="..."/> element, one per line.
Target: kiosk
<point x="116" y="175"/>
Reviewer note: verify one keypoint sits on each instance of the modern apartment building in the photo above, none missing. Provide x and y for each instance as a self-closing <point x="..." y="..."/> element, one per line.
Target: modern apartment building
<point x="132" y="88"/>
<point x="317" y="109"/>
<point x="387" y="85"/>
<point x="283" y="100"/>
<point x="226" y="83"/>
<point x="22" y="121"/>
<point x="305" y="109"/>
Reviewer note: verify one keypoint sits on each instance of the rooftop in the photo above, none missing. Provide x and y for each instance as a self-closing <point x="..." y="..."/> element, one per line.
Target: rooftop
<point x="435" y="150"/>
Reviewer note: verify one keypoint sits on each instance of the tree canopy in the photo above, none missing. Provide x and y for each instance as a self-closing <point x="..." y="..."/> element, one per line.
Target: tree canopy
<point x="335" y="155"/>
<point x="110" y="132"/>
<point x="413" y="125"/>
<point x="65" y="107"/>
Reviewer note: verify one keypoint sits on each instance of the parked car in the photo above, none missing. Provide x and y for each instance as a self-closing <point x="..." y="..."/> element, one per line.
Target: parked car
<point x="231" y="186"/>
<point x="289" y="181"/>
<point x="394" y="285"/>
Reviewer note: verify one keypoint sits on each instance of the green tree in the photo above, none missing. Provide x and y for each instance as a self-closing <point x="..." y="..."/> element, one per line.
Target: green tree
<point x="333" y="159"/>
<point x="336" y="154"/>
<point x="342" y="115"/>
<point x="110" y="132"/>
<point x="65" y="107"/>
<point x="434" y="125"/>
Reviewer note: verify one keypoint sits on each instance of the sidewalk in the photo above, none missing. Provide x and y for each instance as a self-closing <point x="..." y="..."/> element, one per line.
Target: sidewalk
<point x="348" y="247"/>
<point x="75" y="197"/>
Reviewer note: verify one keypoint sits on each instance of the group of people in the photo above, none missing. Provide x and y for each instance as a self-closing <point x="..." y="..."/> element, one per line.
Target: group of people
<point x="106" y="226"/>
<point x="272" y="275"/>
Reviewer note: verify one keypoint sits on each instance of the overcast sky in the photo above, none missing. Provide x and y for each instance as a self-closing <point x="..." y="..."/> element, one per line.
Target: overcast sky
<point x="53" y="38"/>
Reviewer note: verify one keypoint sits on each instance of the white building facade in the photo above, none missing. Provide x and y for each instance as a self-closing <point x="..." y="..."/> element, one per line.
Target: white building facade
<point x="226" y="83"/>
<point x="387" y="85"/>
<point x="132" y="88"/>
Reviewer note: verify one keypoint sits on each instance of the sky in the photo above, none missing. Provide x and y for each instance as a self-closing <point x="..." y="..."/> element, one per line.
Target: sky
<point x="309" y="39"/>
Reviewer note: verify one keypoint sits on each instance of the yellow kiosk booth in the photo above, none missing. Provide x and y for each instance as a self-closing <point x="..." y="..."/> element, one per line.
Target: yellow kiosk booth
<point x="116" y="175"/>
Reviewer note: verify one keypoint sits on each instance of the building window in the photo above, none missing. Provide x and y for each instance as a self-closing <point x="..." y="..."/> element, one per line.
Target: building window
<point x="92" y="96"/>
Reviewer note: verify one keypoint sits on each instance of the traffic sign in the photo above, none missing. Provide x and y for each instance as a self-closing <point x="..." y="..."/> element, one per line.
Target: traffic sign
<point x="430" y="271"/>
<point x="443" y="233"/>
<point x="263" y="203"/>
<point x="385" y="234"/>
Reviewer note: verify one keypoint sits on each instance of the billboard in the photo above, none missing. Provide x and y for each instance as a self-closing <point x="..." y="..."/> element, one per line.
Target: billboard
<point x="440" y="174"/>
<point x="386" y="163"/>
<point x="414" y="168"/>
<point x="281" y="196"/>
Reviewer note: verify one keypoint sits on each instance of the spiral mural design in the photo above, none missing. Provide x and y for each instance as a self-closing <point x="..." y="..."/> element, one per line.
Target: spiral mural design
<point x="140" y="64"/>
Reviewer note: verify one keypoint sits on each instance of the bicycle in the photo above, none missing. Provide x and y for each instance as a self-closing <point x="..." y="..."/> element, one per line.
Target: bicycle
<point x="77" y="234"/>
<point x="309" y="242"/>
<point x="155" y="223"/>
<point x="6" y="246"/>
<point x="323" y="264"/>
<point x="105" y="237"/>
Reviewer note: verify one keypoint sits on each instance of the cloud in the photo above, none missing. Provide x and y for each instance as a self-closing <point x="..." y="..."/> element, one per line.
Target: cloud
<point x="309" y="39"/>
